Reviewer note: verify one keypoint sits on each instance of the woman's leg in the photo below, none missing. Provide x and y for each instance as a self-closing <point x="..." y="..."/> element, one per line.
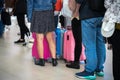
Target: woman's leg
<point x="40" y="48"/>
<point x="51" y="43"/>
<point x="22" y="25"/>
<point x="52" y="47"/>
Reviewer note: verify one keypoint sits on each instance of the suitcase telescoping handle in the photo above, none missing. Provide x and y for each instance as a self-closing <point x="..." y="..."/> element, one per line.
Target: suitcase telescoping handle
<point x="67" y="37"/>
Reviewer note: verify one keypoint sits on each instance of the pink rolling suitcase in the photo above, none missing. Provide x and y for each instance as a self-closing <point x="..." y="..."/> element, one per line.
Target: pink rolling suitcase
<point x="69" y="45"/>
<point x="46" y="48"/>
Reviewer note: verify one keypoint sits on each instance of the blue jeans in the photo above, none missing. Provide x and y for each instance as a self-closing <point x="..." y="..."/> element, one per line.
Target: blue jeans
<point x="94" y="44"/>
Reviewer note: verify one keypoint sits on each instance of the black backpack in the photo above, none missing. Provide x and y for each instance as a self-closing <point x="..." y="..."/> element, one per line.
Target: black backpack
<point x="96" y="5"/>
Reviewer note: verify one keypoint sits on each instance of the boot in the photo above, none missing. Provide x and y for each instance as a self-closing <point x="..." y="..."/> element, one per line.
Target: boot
<point x="41" y="62"/>
<point x="54" y="62"/>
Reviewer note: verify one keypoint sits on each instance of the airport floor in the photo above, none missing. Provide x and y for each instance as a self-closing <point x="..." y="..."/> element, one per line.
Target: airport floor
<point x="16" y="62"/>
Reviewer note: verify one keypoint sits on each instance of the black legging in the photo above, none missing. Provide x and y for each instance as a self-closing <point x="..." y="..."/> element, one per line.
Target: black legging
<point x="115" y="41"/>
<point x="76" y="29"/>
<point x="22" y="25"/>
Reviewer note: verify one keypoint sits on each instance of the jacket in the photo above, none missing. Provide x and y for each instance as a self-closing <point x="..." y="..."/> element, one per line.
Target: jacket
<point x="38" y="5"/>
<point x="86" y="12"/>
<point x="113" y="11"/>
<point x="20" y="7"/>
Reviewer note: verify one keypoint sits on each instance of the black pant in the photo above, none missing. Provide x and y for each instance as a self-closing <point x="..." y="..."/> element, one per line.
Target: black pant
<point x="22" y="25"/>
<point x="76" y="29"/>
<point x="115" y="41"/>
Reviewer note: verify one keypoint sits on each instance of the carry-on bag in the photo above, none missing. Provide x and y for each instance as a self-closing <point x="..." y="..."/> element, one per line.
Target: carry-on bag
<point x="69" y="45"/>
<point x="59" y="42"/>
<point x="35" y="54"/>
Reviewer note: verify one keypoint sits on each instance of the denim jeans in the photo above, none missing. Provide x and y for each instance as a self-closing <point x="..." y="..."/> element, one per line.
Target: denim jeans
<point x="94" y="44"/>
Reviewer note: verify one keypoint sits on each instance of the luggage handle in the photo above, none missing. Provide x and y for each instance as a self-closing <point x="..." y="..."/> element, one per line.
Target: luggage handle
<point x="67" y="37"/>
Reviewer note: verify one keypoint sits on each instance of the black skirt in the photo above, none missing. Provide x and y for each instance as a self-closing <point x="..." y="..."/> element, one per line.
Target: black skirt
<point x="43" y="22"/>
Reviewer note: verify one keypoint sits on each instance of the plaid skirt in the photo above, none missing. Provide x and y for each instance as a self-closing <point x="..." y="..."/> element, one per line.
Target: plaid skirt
<point x="42" y="22"/>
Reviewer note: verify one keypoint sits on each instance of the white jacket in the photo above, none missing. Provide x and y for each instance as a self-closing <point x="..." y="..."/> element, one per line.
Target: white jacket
<point x="113" y="11"/>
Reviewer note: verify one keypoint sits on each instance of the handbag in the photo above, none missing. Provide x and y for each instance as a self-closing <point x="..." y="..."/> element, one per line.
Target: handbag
<point x="108" y="28"/>
<point x="5" y="17"/>
<point x="117" y="26"/>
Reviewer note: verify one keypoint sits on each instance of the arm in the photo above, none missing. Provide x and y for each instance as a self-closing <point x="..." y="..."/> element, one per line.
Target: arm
<point x="29" y="9"/>
<point x="76" y="12"/>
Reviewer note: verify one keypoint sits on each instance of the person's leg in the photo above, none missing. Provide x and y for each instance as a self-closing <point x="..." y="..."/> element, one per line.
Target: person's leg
<point x="89" y="31"/>
<point x="21" y="21"/>
<point x="23" y="28"/>
<point x="51" y="42"/>
<point x="76" y="29"/>
<point x="56" y="20"/>
<point x="100" y="48"/>
<point x="89" y="41"/>
<point x="40" y="48"/>
<point x="115" y="41"/>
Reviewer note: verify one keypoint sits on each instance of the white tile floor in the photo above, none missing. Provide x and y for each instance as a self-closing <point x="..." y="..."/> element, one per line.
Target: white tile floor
<point x="16" y="62"/>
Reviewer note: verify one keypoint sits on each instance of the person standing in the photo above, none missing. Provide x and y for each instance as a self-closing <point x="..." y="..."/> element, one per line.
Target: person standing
<point x="41" y="16"/>
<point x="76" y="29"/>
<point x="113" y="15"/>
<point x="19" y="10"/>
<point x="93" y="41"/>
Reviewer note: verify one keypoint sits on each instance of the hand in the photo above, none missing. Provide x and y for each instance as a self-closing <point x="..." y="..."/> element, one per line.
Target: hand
<point x="75" y="15"/>
<point x="56" y="13"/>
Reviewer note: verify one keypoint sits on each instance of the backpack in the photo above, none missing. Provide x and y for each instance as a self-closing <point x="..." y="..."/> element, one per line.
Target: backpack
<point x="96" y="5"/>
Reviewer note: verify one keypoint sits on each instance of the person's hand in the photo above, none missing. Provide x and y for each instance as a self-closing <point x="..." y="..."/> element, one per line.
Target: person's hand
<point x="75" y="15"/>
<point x="56" y="13"/>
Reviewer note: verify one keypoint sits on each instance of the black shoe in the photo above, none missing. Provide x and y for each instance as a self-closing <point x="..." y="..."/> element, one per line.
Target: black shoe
<point x="41" y="62"/>
<point x="20" y="41"/>
<point x="74" y="65"/>
<point x="54" y="62"/>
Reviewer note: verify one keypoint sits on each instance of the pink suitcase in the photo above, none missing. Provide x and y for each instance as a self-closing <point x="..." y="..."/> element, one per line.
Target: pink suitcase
<point x="46" y="48"/>
<point x="69" y="45"/>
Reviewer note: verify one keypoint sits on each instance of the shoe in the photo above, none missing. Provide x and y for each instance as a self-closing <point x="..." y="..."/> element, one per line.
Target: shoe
<point x="99" y="73"/>
<point x="74" y="65"/>
<point x="40" y="62"/>
<point x="20" y="41"/>
<point x="86" y="75"/>
<point x="54" y="62"/>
